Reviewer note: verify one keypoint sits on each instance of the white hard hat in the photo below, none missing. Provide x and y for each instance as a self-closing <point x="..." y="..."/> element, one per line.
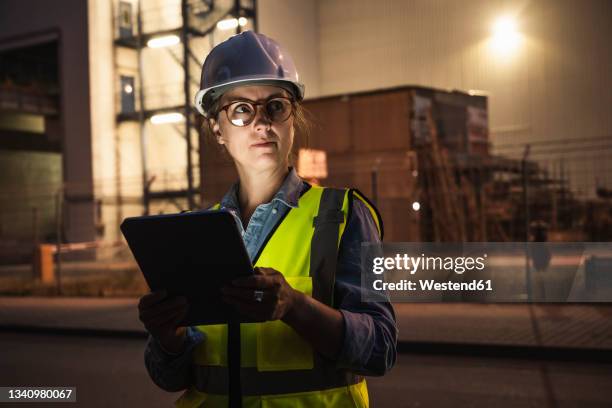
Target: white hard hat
<point x="244" y="58"/>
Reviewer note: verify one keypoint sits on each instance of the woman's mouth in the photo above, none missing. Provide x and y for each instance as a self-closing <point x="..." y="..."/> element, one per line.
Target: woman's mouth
<point x="264" y="144"/>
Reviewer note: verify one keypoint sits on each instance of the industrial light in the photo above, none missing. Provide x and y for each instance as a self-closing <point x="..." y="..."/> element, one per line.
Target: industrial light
<point x="162" y="118"/>
<point x="505" y="35"/>
<point x="416" y="206"/>
<point x="230" y="23"/>
<point x="165" y="41"/>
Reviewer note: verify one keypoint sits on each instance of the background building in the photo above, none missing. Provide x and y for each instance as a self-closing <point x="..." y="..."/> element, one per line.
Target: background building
<point x="79" y="152"/>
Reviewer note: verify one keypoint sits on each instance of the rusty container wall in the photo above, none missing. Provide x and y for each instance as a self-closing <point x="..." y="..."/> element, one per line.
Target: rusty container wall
<point x="452" y="126"/>
<point x="381" y="121"/>
<point x="369" y="149"/>
<point x="389" y="174"/>
<point x="331" y="125"/>
<point x="461" y="120"/>
<point x="401" y="222"/>
<point x="478" y="126"/>
<point x="389" y="180"/>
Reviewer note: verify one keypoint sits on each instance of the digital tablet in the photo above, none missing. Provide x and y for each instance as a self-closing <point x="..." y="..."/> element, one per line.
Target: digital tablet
<point x="192" y="254"/>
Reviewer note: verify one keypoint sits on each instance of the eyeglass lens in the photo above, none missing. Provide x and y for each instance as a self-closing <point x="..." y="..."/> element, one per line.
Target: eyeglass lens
<point x="242" y="113"/>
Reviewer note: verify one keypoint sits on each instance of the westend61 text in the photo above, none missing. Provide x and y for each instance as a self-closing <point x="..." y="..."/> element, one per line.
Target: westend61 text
<point x="429" y="284"/>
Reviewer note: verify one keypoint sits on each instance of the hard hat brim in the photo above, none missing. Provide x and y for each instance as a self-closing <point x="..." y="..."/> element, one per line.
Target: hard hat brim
<point x="296" y="88"/>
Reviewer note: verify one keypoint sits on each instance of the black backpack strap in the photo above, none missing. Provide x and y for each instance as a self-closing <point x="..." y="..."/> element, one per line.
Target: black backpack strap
<point x="324" y="245"/>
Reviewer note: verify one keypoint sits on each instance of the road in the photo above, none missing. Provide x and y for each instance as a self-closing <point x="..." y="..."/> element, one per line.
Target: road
<point x="109" y="372"/>
<point x="559" y="325"/>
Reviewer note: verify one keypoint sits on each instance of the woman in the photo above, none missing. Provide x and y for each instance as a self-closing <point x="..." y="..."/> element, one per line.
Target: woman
<point x="318" y="338"/>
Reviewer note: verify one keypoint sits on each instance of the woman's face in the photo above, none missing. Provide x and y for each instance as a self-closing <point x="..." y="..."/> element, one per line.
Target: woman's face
<point x="262" y="144"/>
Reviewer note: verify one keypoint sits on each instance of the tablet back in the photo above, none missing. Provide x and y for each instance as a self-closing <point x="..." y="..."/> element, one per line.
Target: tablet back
<point x="192" y="254"/>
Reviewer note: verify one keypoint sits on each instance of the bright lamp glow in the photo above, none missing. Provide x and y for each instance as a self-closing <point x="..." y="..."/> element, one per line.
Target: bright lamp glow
<point x="231" y="23"/>
<point x="505" y="35"/>
<point x="167" y="118"/>
<point x="165" y="41"/>
<point x="416" y="206"/>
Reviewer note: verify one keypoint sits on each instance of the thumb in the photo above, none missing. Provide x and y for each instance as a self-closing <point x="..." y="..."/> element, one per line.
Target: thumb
<point x="260" y="270"/>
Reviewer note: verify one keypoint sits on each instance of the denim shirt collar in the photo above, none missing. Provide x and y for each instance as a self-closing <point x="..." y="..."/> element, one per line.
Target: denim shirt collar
<point x="288" y="194"/>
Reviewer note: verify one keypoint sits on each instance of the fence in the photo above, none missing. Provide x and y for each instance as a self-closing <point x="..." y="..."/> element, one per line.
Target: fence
<point x="494" y="199"/>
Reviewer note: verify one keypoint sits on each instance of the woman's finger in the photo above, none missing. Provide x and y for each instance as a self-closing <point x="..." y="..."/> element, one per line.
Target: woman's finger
<point x="257" y="310"/>
<point x="170" y="305"/>
<point x="152" y="298"/>
<point x="254" y="282"/>
<point x="163" y="306"/>
<point x="172" y="322"/>
<point x="248" y="294"/>
<point x="267" y="271"/>
<point x="166" y="319"/>
<point x="248" y="297"/>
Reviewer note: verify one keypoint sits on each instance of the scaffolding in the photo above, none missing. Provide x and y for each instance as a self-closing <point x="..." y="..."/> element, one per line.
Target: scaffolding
<point x="136" y="31"/>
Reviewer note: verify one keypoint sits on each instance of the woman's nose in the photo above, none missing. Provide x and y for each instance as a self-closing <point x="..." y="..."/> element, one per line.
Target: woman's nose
<point x="261" y="120"/>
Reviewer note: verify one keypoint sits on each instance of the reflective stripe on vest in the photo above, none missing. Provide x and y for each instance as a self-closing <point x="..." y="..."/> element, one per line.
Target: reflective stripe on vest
<point x="275" y="360"/>
<point x="213" y="380"/>
<point x="352" y="396"/>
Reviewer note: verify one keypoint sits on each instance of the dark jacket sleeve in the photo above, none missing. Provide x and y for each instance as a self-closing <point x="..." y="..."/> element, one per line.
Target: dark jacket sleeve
<point x="171" y="372"/>
<point x="370" y="331"/>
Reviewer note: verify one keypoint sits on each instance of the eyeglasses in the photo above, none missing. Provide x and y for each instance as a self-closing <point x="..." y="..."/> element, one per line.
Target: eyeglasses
<point x="242" y="112"/>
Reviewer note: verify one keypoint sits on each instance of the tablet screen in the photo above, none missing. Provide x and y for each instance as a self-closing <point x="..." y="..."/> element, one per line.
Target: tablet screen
<point x="192" y="254"/>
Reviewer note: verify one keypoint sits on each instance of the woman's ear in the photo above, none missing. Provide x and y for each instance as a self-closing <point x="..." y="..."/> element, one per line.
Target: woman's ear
<point x="214" y="126"/>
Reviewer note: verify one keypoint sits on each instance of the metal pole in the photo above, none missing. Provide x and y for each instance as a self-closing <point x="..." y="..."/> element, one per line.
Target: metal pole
<point x="141" y="117"/>
<point x="35" y="233"/>
<point x="374" y="181"/>
<point x="59" y="221"/>
<point x="186" y="88"/>
<point x="526" y="211"/>
<point x="562" y="172"/>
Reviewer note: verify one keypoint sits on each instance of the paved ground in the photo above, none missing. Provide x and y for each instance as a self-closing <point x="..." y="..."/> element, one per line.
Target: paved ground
<point x="110" y="373"/>
<point x="558" y="325"/>
<point x="69" y="312"/>
<point x="457" y="382"/>
<point x="107" y="372"/>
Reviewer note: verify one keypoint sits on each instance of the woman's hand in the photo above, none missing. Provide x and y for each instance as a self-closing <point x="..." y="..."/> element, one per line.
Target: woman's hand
<point x="319" y="324"/>
<point x="161" y="317"/>
<point x="278" y="296"/>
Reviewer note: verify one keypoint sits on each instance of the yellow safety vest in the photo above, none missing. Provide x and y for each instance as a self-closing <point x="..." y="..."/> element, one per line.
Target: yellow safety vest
<point x="278" y="368"/>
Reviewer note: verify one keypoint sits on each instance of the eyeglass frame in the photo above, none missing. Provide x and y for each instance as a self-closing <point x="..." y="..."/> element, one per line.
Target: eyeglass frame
<point x="259" y="102"/>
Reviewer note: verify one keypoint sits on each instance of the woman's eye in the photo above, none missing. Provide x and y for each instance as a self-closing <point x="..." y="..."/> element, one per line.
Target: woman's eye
<point x="275" y="106"/>
<point x="243" y="108"/>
